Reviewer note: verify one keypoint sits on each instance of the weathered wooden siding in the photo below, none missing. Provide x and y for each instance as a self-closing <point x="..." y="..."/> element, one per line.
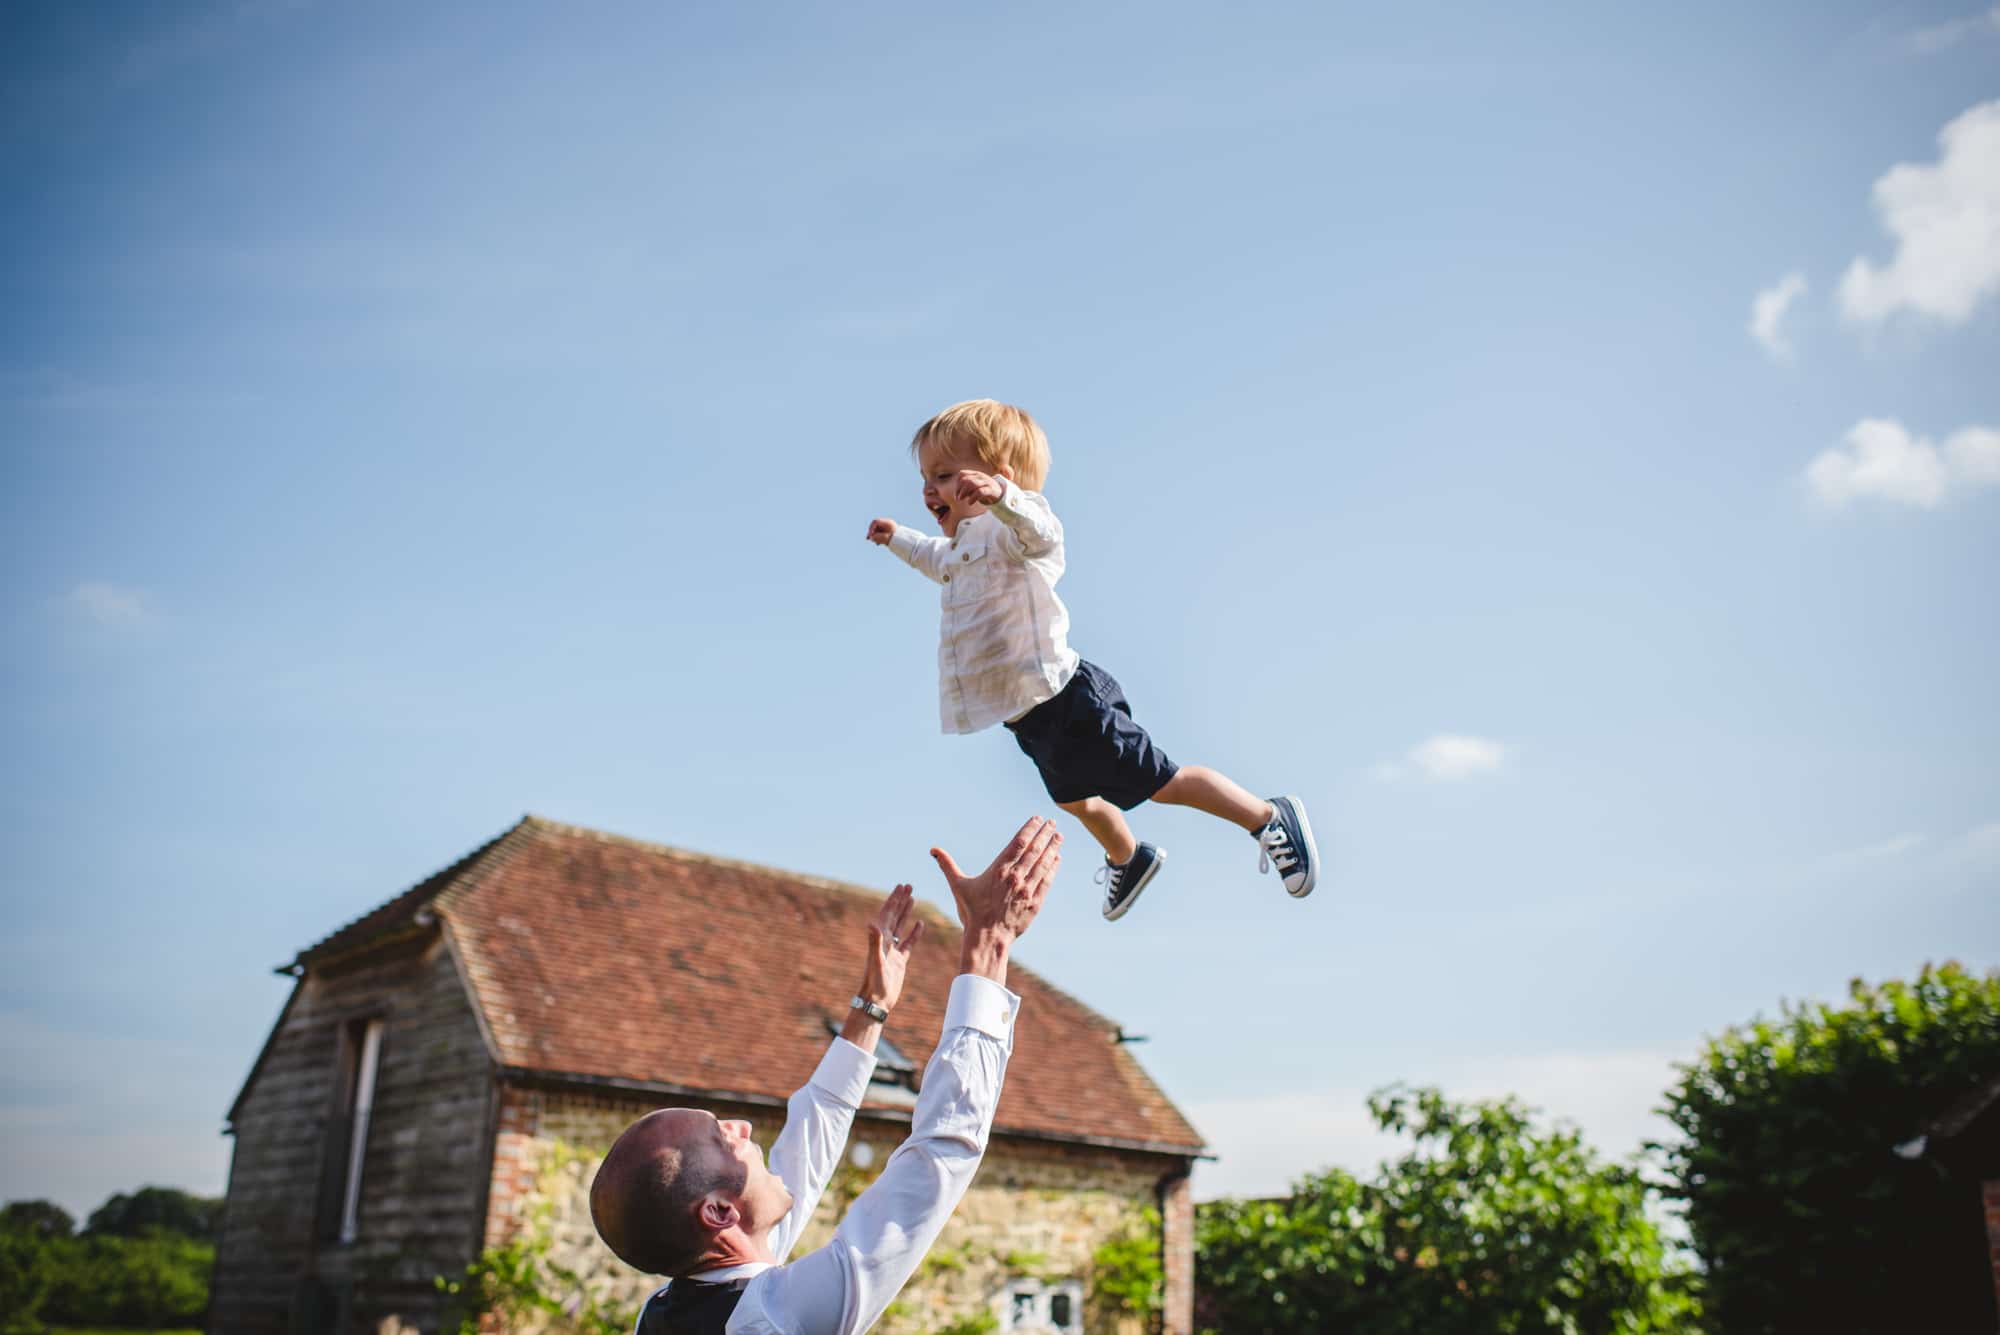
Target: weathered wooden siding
<point x="424" y="1171"/>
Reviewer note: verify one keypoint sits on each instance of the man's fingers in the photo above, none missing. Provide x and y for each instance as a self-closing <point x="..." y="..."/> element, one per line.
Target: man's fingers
<point x="1044" y="869"/>
<point x="1043" y="839"/>
<point x="914" y="935"/>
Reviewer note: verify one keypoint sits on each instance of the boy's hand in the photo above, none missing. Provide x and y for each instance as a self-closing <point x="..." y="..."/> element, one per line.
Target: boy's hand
<point x="880" y="531"/>
<point x="983" y="488"/>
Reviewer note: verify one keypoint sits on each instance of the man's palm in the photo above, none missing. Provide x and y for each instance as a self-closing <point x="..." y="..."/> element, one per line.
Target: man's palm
<point x="1009" y="893"/>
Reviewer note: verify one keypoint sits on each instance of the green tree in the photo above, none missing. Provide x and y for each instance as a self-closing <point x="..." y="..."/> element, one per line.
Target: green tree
<point x="1803" y="1214"/>
<point x="44" y="1218"/>
<point x="1490" y="1225"/>
<point x="157" y="1209"/>
<point x="24" y="1278"/>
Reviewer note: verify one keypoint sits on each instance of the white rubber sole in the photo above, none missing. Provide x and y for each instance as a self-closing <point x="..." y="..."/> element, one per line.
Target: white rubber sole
<point x="1159" y="861"/>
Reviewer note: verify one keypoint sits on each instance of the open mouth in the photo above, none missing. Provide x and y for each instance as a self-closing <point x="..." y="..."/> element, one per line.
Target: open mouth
<point x="941" y="511"/>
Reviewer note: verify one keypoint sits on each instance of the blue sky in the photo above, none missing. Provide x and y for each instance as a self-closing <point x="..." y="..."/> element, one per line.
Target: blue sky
<point x="1559" y="446"/>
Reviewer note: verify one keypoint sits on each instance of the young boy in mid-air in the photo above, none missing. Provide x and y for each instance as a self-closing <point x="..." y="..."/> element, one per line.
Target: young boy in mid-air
<point x="1004" y="656"/>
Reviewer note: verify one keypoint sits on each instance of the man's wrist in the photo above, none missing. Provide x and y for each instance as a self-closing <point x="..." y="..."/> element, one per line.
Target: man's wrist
<point x="869" y="1007"/>
<point x="984" y="952"/>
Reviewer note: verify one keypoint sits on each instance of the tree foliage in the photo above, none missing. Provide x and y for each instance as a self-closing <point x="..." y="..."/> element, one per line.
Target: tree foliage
<point x="158" y="1278"/>
<point x="1490" y="1225"/>
<point x="1801" y="1210"/>
<point x="157" y="1209"/>
<point x="42" y="1217"/>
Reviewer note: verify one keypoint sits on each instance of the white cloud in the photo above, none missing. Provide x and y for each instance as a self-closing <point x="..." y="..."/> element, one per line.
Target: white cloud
<point x="1945" y="218"/>
<point x="1449" y="757"/>
<point x="1983" y="840"/>
<point x="1767" y="314"/>
<point x="108" y="604"/>
<point x="1929" y="41"/>
<point x="1888" y="848"/>
<point x="1262" y="1144"/>
<point x="1880" y="458"/>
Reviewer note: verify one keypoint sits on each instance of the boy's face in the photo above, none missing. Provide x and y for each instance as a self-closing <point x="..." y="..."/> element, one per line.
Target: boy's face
<point x="939" y="466"/>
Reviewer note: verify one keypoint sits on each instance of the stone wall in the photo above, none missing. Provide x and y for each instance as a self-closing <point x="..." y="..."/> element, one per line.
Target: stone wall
<point x="1035" y="1214"/>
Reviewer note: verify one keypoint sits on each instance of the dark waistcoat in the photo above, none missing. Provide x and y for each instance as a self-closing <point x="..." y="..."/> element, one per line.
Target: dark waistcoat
<point x="690" y="1307"/>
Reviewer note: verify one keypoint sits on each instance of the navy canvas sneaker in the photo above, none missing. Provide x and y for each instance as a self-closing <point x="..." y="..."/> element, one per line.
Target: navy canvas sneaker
<point x="1287" y="843"/>
<point x="1122" y="884"/>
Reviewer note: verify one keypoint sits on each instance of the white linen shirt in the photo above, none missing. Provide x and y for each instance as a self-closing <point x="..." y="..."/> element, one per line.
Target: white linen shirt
<point x="1003" y="647"/>
<point x="843" y="1287"/>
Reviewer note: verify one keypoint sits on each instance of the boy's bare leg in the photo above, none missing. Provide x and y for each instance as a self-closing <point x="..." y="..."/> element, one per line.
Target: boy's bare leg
<point x="1205" y="790"/>
<point x="1107" y="826"/>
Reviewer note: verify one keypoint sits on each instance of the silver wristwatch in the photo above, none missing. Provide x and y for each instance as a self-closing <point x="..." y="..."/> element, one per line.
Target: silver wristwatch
<point x="870" y="1009"/>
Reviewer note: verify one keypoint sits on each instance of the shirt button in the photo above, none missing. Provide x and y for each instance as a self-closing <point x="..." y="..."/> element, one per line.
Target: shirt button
<point x="947" y="577"/>
<point x="965" y="556"/>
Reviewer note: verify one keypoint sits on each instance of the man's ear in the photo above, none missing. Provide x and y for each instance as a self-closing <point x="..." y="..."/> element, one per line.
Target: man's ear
<point x="718" y="1213"/>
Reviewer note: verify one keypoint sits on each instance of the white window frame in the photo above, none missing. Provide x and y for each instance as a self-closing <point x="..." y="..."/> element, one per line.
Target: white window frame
<point x="1037" y="1317"/>
<point x="357" y="1142"/>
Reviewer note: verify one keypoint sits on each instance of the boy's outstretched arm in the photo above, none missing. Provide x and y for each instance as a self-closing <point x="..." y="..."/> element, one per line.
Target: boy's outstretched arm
<point x="925" y="555"/>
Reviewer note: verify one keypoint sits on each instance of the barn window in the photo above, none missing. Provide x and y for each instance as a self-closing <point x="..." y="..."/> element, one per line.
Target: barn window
<point x="1033" y="1306"/>
<point x="359" y="1060"/>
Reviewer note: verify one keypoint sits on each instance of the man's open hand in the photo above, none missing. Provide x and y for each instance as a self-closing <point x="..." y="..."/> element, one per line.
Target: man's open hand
<point x="892" y="934"/>
<point x="997" y="905"/>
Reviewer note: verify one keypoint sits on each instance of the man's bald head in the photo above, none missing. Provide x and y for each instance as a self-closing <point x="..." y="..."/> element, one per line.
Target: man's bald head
<point x="646" y="1199"/>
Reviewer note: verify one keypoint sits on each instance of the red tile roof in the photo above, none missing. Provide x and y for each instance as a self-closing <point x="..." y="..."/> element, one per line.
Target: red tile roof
<point x="597" y="957"/>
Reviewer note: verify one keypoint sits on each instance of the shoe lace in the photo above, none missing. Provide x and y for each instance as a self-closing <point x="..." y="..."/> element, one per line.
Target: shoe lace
<point x="1111" y="874"/>
<point x="1275" y="846"/>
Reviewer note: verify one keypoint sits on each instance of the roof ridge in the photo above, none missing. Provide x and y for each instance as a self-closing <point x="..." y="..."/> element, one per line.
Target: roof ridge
<point x="707" y="859"/>
<point x="399" y="908"/>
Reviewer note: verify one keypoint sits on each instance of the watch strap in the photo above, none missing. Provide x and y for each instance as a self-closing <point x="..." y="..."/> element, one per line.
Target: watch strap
<point x="869" y="1009"/>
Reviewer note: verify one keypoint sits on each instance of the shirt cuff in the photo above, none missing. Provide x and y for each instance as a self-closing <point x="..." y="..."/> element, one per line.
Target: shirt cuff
<point x="1009" y="504"/>
<point x="843" y="1072"/>
<point x="982" y="1004"/>
<point x="904" y="541"/>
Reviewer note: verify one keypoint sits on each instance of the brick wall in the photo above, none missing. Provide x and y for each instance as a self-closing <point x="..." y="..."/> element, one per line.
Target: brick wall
<point x="1177" y="1232"/>
<point x="1990" y="1194"/>
<point x="1035" y="1212"/>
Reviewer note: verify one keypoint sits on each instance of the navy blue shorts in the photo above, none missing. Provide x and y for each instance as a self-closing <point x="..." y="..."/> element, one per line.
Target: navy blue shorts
<point x="1085" y="744"/>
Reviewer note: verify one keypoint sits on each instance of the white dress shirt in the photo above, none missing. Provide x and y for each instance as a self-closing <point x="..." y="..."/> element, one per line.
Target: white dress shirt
<point x="842" y="1288"/>
<point x="1003" y="647"/>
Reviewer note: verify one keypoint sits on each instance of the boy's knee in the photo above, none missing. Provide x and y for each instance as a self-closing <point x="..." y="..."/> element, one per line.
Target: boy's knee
<point x="1083" y="806"/>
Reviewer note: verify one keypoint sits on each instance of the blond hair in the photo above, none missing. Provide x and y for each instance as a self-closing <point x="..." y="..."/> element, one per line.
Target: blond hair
<point x="999" y="434"/>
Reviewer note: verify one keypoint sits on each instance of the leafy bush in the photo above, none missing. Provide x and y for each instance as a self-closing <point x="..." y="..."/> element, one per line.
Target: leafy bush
<point x="520" y="1281"/>
<point x="1489" y="1224"/>
<point x="1804" y="1215"/>
<point x="1125" y="1272"/>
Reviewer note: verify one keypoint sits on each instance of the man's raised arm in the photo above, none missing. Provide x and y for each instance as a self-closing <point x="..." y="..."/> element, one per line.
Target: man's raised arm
<point x="819" y="1116"/>
<point x="842" y="1288"/>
